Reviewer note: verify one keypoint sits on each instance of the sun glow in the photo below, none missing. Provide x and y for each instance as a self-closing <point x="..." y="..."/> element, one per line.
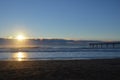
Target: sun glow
<point x="20" y="56"/>
<point x="20" y="37"/>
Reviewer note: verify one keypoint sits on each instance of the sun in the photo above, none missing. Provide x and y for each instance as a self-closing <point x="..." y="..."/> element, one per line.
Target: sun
<point x="20" y="37"/>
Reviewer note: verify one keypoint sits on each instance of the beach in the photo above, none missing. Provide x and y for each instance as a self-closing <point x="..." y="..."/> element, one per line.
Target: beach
<point x="97" y="69"/>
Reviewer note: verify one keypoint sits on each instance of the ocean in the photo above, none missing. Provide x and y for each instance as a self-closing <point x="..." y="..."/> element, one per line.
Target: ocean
<point x="60" y="54"/>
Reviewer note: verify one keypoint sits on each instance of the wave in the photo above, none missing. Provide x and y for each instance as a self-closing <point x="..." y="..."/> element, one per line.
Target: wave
<point x="58" y="50"/>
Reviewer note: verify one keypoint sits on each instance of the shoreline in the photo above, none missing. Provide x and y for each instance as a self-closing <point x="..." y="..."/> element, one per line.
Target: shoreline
<point x="52" y="59"/>
<point x="97" y="69"/>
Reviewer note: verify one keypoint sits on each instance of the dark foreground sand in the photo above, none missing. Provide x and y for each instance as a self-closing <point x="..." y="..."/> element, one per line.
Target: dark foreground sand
<point x="61" y="70"/>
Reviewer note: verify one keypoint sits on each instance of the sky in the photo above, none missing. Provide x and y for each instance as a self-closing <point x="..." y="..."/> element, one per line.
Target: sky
<point x="67" y="19"/>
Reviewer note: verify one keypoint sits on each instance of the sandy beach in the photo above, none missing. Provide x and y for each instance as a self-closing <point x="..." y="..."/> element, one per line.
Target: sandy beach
<point x="108" y="69"/>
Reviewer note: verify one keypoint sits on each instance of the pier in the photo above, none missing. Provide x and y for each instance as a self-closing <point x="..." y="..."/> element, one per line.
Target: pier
<point x="105" y="45"/>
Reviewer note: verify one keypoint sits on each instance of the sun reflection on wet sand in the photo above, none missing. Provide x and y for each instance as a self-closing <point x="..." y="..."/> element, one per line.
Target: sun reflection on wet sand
<point x="20" y="56"/>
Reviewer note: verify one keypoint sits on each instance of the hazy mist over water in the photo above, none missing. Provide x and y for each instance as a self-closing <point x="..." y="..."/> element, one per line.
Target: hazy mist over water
<point x="44" y="43"/>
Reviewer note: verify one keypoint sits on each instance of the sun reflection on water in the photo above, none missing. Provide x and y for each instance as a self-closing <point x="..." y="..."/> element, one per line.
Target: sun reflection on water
<point x="20" y="56"/>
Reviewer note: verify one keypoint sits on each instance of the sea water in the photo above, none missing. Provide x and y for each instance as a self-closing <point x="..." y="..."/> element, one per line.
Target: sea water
<point x="62" y="55"/>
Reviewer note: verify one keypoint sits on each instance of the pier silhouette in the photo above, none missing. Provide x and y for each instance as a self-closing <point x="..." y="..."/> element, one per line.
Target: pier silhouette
<point x="105" y="45"/>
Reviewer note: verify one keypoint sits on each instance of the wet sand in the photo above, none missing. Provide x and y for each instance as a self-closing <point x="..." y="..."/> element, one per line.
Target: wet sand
<point x="108" y="69"/>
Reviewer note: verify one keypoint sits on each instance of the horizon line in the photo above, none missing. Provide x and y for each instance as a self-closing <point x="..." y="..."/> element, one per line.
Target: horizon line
<point x="64" y="39"/>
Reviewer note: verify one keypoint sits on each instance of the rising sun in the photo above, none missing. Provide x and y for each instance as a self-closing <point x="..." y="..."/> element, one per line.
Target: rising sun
<point x="20" y="37"/>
